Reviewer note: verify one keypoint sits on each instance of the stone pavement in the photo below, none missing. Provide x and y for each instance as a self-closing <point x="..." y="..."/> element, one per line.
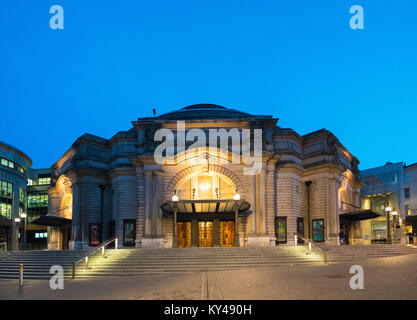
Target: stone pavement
<point x="385" y="278"/>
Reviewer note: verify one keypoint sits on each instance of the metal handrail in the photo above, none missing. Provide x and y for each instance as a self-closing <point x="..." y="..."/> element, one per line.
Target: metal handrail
<point x="94" y="250"/>
<point x="310" y="243"/>
<point x="4" y="244"/>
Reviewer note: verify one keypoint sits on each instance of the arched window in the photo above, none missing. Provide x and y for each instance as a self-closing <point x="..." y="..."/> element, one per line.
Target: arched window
<point x="206" y="186"/>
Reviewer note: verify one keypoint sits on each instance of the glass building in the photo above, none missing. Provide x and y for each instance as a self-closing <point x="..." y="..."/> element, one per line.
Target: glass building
<point x="383" y="187"/>
<point x="22" y="190"/>
<point x="37" y="206"/>
<point x="14" y="165"/>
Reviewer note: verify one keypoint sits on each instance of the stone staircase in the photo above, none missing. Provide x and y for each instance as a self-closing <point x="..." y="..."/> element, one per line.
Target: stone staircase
<point x="132" y="262"/>
<point x="36" y="264"/>
<point x="179" y="260"/>
<point x="355" y="253"/>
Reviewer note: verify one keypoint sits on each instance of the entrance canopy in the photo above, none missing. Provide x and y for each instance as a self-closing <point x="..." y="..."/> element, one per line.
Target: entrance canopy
<point x="51" y="221"/>
<point x="358" y="215"/>
<point x="411" y="219"/>
<point x="206" y="206"/>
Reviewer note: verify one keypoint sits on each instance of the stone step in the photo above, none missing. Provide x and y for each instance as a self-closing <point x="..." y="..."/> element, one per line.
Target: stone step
<point x="131" y="262"/>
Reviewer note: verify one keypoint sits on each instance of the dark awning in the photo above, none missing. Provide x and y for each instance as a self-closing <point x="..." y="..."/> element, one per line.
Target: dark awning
<point x="205" y="206"/>
<point x="411" y="218"/>
<point x="359" y="215"/>
<point x="51" y="221"/>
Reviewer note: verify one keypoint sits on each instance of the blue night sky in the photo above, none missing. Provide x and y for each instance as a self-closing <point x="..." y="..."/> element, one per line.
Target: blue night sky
<point x="296" y="60"/>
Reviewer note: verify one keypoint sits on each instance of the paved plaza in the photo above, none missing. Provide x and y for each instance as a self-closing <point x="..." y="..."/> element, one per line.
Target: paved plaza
<point x="384" y="278"/>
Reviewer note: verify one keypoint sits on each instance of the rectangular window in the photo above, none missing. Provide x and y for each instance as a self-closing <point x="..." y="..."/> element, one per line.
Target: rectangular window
<point x="6" y="189"/>
<point x="37" y="205"/>
<point x="318" y="230"/>
<point x="407" y="193"/>
<point x="43" y="181"/>
<point x="4" y="162"/>
<point x="22" y="195"/>
<point x="6" y="210"/>
<point x="281" y="229"/>
<point x="129" y="232"/>
<point x="37" y="200"/>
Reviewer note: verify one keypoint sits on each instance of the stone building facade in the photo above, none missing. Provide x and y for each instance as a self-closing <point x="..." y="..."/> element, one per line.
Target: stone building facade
<point x="116" y="187"/>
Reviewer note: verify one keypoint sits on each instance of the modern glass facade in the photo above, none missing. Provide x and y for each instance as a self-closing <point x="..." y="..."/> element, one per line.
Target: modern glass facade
<point x="13" y="183"/>
<point x="6" y="199"/>
<point x="383" y="187"/>
<point x="37" y="206"/>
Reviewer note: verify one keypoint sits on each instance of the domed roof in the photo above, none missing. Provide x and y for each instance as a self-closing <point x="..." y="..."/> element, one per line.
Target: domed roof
<point x="204" y="111"/>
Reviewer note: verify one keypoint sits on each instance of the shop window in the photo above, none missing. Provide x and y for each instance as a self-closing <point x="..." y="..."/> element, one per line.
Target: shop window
<point x="129" y="232"/>
<point x="318" y="230"/>
<point x="6" y="210"/>
<point x="281" y="229"/>
<point x="41" y="235"/>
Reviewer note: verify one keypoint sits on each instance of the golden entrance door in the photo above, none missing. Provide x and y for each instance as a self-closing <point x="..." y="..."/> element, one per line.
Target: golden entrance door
<point x="205" y="233"/>
<point x="184" y="234"/>
<point x="227" y="233"/>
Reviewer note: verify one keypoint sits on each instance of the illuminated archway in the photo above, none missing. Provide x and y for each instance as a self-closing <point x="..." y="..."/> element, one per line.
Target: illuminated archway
<point x="205" y="186"/>
<point x="224" y="174"/>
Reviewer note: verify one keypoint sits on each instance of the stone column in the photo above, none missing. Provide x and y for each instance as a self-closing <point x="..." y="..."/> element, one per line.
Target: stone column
<point x="252" y="199"/>
<point x="140" y="200"/>
<point x="148" y="204"/>
<point x="76" y="241"/>
<point x="260" y="206"/>
<point x="157" y="214"/>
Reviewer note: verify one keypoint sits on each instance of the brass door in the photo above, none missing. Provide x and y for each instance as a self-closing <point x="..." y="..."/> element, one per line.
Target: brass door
<point x="184" y="234"/>
<point x="205" y="233"/>
<point x="227" y="233"/>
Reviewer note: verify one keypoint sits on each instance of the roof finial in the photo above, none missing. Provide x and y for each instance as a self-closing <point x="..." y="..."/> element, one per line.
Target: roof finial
<point x="154" y="112"/>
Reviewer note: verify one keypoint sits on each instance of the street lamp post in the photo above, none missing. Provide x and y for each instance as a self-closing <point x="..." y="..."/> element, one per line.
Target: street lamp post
<point x="388" y="209"/>
<point x="17" y="221"/>
<point x="236" y="198"/>
<point x="23" y="243"/>
<point x="175" y="200"/>
<point x="394" y="222"/>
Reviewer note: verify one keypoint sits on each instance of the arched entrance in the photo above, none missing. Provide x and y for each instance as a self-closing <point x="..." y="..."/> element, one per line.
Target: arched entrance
<point x="206" y="213"/>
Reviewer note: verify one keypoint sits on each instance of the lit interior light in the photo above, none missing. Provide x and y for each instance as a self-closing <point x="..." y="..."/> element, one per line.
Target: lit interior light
<point x="394" y="213"/>
<point x="17" y="220"/>
<point x="204" y="187"/>
<point x="23" y="215"/>
<point x="388" y="209"/>
<point x="236" y="196"/>
<point x="175" y="198"/>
